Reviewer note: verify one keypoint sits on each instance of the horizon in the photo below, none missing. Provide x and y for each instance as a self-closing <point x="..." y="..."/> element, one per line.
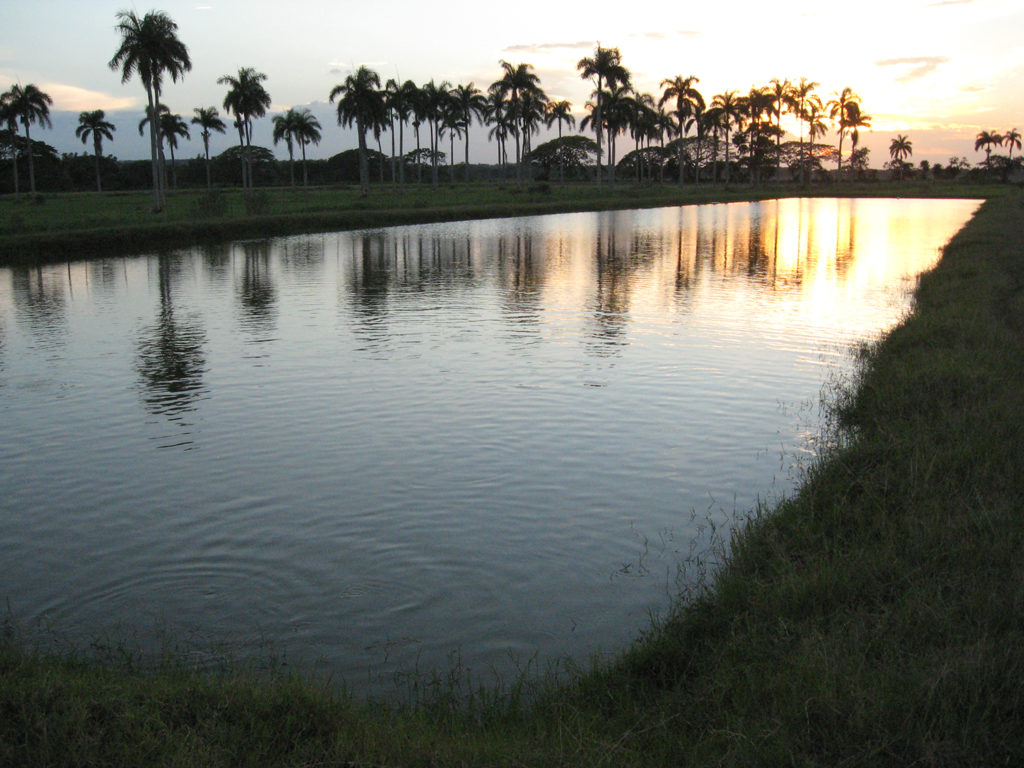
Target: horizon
<point x="941" y="102"/>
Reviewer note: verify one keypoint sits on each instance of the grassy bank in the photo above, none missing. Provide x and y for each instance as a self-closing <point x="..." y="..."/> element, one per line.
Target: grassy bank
<point x="87" y="224"/>
<point x="877" y="618"/>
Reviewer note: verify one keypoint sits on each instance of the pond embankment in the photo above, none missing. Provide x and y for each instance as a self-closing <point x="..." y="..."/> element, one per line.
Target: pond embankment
<point x="50" y="227"/>
<point x="876" y="618"/>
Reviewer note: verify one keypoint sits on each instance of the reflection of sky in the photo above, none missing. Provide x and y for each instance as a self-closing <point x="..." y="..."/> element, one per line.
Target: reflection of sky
<point x="451" y="433"/>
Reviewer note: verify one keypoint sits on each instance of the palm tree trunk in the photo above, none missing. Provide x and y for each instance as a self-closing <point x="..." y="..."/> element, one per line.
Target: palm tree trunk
<point x="401" y="152"/>
<point x="31" y="167"/>
<point x="305" y="174"/>
<point x="597" y="129"/>
<point x="291" y="162"/>
<point x="99" y="183"/>
<point x="241" y="151"/>
<point x="380" y="161"/>
<point x="14" y="163"/>
<point x="364" y="166"/>
<point x="206" y="146"/>
<point x="467" y="154"/>
<point x="561" y="159"/>
<point x="174" y="171"/>
<point x="153" y="156"/>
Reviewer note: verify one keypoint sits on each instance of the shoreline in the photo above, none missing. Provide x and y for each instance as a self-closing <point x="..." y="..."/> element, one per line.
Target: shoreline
<point x="117" y="224"/>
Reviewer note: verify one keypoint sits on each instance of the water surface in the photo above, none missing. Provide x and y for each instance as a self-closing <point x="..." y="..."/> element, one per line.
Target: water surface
<point x="373" y="449"/>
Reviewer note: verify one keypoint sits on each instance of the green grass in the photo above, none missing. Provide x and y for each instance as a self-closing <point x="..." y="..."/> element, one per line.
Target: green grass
<point x="91" y="224"/>
<point x="875" y="618"/>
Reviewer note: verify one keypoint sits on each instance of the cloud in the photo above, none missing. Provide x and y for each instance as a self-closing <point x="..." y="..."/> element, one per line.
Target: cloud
<point x="544" y="47"/>
<point x="919" y="66"/>
<point x="74" y="99"/>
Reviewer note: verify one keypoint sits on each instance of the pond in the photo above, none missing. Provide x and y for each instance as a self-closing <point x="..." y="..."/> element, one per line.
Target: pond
<point x="375" y="450"/>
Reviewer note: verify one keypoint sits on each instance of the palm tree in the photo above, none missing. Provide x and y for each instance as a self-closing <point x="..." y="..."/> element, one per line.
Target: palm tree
<point x="1012" y="139"/>
<point x="95" y="125"/>
<point x="209" y="120"/>
<point x="306" y="129"/>
<point x="248" y="99"/>
<point x="520" y="88"/>
<point x="498" y="116"/>
<point x="799" y="98"/>
<point x="731" y="108"/>
<point x="605" y="66"/>
<point x="780" y="92"/>
<point x="284" y="128"/>
<point x="839" y="111"/>
<point x="150" y="48"/>
<point x="986" y="140"/>
<point x="900" y="149"/>
<point x="171" y="127"/>
<point x="688" y="103"/>
<point x="9" y="119"/>
<point x="29" y="105"/>
<point x="560" y="112"/>
<point x="855" y="120"/>
<point x="361" y="102"/>
<point x="468" y="101"/>
<point x="814" y="115"/>
<point x="434" y="108"/>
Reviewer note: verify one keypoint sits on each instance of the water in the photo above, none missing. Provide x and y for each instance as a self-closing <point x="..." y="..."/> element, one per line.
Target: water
<point x="374" y="449"/>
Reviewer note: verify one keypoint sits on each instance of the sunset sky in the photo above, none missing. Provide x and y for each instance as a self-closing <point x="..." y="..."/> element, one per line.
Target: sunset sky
<point x="938" y="71"/>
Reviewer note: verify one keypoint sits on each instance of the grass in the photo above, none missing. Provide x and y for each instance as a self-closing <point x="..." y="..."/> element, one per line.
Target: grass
<point x="875" y="618"/>
<point x="47" y="227"/>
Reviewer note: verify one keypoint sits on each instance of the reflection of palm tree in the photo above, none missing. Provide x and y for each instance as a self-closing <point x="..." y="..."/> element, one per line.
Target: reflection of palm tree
<point x="171" y="360"/>
<point x="209" y="120"/>
<point x="95" y="125"/>
<point x="257" y="295"/>
<point x="29" y="105"/>
<point x="360" y="101"/>
<point x="605" y="66"/>
<point x="150" y="48"/>
<point x="900" y="149"/>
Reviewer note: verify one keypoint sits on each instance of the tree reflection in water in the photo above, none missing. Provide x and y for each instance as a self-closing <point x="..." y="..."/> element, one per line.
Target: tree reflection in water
<point x="256" y="292"/>
<point x="170" y="360"/>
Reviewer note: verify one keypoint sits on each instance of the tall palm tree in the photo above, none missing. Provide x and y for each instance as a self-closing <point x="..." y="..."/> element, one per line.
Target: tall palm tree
<point x="498" y="116"/>
<point x="1012" y="139"/>
<point x="172" y="127"/>
<point x="560" y="112"/>
<point x="814" y="116"/>
<point x="799" y="96"/>
<point x="285" y="128"/>
<point x="731" y="107"/>
<point x="150" y="48"/>
<point x="780" y="92"/>
<point x="94" y="124"/>
<point x="468" y="102"/>
<point x="986" y="140"/>
<point x="208" y="119"/>
<point x="307" y="130"/>
<point x="605" y="67"/>
<point x="434" y="107"/>
<point x="688" y="101"/>
<point x="10" y="120"/>
<point x="855" y="120"/>
<point x="360" y="101"/>
<point x="248" y="100"/>
<point x="900" y="149"/>
<point x="839" y="111"/>
<point x="29" y="105"/>
<point x="520" y="87"/>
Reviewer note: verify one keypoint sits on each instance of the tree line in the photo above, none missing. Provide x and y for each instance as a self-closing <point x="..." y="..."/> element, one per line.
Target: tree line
<point x="513" y="108"/>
